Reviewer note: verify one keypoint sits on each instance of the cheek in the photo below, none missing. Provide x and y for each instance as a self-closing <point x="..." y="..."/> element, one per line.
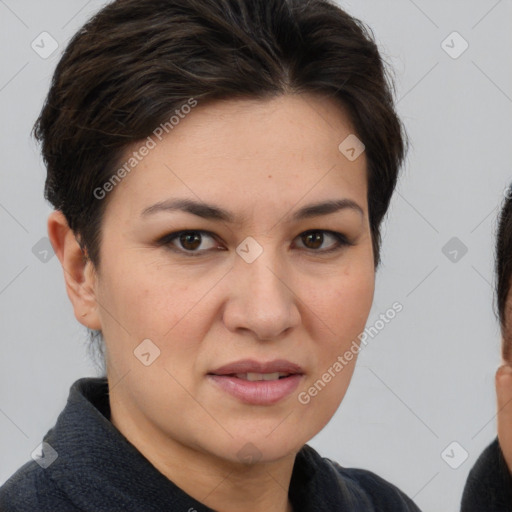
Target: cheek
<point x="172" y="308"/>
<point x="344" y="302"/>
<point x="146" y="297"/>
<point x="354" y="299"/>
<point x="343" y="307"/>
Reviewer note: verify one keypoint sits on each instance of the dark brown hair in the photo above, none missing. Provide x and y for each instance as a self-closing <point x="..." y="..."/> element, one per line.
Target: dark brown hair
<point x="504" y="273"/>
<point x="138" y="61"/>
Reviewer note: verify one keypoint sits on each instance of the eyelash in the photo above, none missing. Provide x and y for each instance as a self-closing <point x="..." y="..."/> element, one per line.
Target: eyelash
<point x="341" y="241"/>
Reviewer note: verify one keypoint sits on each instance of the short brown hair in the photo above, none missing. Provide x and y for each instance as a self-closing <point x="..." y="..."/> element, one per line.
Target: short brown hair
<point x="137" y="61"/>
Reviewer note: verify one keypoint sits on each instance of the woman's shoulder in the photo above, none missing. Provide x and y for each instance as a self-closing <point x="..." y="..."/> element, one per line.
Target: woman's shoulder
<point x="33" y="486"/>
<point x="382" y="494"/>
<point x="489" y="484"/>
<point x="355" y="489"/>
<point x="30" y="488"/>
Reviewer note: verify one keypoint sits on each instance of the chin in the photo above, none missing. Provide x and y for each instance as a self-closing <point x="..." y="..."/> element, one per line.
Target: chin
<point x="263" y="448"/>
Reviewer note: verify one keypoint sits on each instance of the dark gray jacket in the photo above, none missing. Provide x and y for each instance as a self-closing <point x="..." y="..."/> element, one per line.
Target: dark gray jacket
<point x="489" y="484"/>
<point x="97" y="469"/>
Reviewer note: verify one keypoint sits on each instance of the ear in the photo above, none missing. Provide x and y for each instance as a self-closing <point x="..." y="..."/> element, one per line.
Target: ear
<point x="503" y="382"/>
<point x="79" y="273"/>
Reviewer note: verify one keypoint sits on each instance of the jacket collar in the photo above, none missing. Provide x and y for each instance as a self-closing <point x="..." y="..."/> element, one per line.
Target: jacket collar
<point x="99" y="469"/>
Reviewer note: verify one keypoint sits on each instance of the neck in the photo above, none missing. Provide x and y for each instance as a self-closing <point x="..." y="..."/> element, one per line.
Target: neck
<point x="220" y="484"/>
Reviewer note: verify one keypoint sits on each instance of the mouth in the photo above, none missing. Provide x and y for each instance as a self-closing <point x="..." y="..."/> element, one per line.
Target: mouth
<point x="258" y="383"/>
<point x="251" y="368"/>
<point x="254" y="377"/>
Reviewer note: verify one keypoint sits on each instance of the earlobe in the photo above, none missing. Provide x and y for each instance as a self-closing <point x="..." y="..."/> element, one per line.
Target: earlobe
<point x="79" y="273"/>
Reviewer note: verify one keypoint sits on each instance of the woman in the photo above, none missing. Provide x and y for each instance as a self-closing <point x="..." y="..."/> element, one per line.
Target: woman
<point x="219" y="172"/>
<point x="489" y="484"/>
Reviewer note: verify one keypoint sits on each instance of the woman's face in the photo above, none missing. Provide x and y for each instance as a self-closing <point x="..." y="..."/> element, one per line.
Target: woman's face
<point x="255" y="292"/>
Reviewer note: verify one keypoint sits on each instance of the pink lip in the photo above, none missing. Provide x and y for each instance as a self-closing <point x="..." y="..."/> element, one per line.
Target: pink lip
<point x="262" y="392"/>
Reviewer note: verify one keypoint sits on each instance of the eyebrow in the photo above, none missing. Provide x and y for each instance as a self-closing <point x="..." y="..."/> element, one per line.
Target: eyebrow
<point x="213" y="212"/>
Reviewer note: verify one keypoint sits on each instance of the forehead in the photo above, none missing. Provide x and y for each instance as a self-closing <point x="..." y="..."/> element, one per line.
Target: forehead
<point x="250" y="151"/>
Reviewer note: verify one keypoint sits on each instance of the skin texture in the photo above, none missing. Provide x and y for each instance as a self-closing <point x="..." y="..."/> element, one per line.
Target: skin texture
<point x="503" y="382"/>
<point x="262" y="160"/>
<point x="504" y="396"/>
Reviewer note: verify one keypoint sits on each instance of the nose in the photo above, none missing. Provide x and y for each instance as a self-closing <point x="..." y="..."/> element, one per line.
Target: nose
<point x="262" y="299"/>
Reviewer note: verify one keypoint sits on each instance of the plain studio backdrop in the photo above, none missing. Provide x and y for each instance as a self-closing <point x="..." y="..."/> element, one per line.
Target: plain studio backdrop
<point x="421" y="406"/>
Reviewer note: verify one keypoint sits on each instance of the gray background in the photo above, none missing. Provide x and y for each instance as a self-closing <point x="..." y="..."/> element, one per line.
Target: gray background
<point x="427" y="379"/>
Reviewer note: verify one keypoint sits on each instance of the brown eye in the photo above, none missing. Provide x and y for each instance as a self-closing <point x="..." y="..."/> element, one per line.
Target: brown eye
<point x="190" y="241"/>
<point x="313" y="240"/>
